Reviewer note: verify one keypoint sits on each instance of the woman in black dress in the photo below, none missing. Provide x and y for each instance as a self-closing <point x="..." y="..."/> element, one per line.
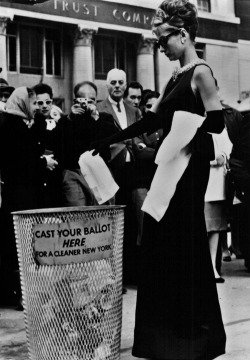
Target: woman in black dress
<point x="178" y="314"/>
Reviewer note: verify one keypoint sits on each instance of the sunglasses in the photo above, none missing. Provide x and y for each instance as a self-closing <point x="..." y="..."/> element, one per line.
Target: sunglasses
<point x="148" y="106"/>
<point x="46" y="102"/>
<point x="163" y="40"/>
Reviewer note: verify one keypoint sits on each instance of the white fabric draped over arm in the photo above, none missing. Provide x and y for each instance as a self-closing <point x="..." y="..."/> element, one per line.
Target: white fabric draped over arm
<point x="172" y="158"/>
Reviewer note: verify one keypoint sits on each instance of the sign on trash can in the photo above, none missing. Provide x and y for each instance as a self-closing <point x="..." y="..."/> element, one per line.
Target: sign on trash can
<point x="70" y="262"/>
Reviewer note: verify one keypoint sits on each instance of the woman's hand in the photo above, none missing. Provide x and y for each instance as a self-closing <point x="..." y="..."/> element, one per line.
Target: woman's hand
<point x="220" y="160"/>
<point x="101" y="147"/>
<point x="51" y="162"/>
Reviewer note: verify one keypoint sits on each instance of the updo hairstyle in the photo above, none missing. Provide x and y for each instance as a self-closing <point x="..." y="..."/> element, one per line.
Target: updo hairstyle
<point x="177" y="14"/>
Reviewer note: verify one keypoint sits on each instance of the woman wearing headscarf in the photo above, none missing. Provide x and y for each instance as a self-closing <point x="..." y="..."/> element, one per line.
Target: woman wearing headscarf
<point x="22" y="165"/>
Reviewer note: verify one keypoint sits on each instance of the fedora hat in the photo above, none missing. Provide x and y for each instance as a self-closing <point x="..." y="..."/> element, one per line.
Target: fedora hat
<point x="4" y="86"/>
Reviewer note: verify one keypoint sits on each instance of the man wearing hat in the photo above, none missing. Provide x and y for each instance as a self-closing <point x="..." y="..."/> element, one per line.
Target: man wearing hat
<point x="5" y="92"/>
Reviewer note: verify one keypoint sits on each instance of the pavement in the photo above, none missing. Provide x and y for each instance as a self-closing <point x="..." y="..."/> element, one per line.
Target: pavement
<point x="234" y="296"/>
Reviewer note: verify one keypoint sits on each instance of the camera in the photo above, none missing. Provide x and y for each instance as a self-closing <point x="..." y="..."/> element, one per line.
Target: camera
<point x="83" y="102"/>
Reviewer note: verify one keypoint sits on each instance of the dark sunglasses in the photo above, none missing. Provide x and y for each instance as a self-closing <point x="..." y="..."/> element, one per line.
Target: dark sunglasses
<point x="41" y="102"/>
<point x="148" y="106"/>
<point x="163" y="40"/>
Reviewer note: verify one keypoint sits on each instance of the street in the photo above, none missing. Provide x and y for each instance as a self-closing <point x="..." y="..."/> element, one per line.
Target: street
<point x="234" y="297"/>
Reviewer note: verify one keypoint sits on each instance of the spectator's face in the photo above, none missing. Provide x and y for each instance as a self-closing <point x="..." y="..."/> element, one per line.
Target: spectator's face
<point x="4" y="95"/>
<point x="149" y="104"/>
<point x="44" y="103"/>
<point x="87" y="92"/>
<point x="116" y="87"/>
<point x="134" y="97"/>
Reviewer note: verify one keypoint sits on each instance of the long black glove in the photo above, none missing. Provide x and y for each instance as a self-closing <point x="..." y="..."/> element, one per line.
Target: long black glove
<point x="214" y="122"/>
<point x="150" y="123"/>
<point x="202" y="143"/>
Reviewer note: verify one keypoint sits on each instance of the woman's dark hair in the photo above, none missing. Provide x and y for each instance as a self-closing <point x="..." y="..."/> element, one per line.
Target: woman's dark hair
<point x="43" y="89"/>
<point x="179" y="14"/>
<point x="133" y="85"/>
<point x="151" y="95"/>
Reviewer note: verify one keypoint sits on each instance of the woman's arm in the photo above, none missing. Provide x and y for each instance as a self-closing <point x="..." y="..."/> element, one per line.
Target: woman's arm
<point x="204" y="83"/>
<point x="150" y="123"/>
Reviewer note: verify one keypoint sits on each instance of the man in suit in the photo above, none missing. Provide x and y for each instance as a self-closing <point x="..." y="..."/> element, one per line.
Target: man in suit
<point x="122" y="161"/>
<point x="122" y="157"/>
<point x="5" y="91"/>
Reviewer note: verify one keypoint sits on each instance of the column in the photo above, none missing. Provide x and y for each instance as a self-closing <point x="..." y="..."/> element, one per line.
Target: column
<point x="145" y="62"/>
<point x="82" y="55"/>
<point x="3" y="47"/>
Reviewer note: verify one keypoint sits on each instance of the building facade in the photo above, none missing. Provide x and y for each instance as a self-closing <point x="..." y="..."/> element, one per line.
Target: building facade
<point x="62" y="42"/>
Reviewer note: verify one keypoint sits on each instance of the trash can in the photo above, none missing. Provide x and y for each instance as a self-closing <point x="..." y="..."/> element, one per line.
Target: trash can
<point x="70" y="262"/>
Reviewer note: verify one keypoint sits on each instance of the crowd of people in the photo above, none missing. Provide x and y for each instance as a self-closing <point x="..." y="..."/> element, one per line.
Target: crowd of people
<point x="170" y="155"/>
<point x="40" y="150"/>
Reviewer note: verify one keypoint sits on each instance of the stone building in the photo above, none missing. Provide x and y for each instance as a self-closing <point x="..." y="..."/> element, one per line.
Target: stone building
<point x="62" y="42"/>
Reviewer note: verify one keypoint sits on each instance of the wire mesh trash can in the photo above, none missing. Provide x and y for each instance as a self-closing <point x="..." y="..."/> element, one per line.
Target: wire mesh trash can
<point x="70" y="262"/>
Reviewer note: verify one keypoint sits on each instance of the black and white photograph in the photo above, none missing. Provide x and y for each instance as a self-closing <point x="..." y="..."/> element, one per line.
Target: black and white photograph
<point x="124" y="179"/>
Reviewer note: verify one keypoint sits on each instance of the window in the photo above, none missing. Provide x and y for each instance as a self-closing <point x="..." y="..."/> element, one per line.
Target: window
<point x="53" y="51"/>
<point x="31" y="50"/>
<point x="203" y="5"/>
<point x="110" y="52"/>
<point x="11" y="47"/>
<point x="39" y="50"/>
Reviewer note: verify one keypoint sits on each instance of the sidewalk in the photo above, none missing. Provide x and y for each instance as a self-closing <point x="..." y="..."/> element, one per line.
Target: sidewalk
<point x="234" y="297"/>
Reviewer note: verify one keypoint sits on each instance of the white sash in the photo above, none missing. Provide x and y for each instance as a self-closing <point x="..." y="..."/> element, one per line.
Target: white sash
<point x="172" y="158"/>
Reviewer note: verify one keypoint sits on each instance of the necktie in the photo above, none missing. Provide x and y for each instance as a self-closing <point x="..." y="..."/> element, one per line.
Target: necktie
<point x="118" y="107"/>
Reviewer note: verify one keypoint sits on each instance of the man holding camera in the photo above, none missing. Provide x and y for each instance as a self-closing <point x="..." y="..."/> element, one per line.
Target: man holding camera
<point x="74" y="135"/>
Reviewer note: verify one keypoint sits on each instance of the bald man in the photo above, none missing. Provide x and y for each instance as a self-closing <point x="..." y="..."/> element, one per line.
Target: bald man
<point x="124" y="115"/>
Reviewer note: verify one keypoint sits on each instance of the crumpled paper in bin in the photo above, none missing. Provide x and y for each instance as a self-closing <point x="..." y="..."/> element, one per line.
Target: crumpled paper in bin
<point x="74" y="312"/>
<point x="86" y="289"/>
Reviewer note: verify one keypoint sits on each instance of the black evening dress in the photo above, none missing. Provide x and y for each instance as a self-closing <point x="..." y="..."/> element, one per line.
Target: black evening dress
<point x="178" y="313"/>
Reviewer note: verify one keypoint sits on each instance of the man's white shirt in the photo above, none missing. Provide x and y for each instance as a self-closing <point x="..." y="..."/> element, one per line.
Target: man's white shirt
<point x="122" y="117"/>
